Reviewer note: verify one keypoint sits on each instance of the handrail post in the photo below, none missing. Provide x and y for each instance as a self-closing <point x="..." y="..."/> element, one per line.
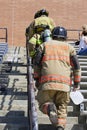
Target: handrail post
<point x="32" y="112"/>
<point x="6" y="35"/>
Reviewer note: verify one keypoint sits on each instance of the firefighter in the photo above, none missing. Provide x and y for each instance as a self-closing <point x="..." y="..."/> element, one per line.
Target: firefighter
<point x="41" y="22"/>
<point x="33" y="43"/>
<point x="52" y="72"/>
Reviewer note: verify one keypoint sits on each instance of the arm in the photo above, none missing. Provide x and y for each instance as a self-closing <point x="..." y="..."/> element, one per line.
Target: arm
<point x="38" y="56"/>
<point x="76" y="70"/>
<point x="29" y="31"/>
<point x="52" y="24"/>
<point x="37" y="65"/>
<point x="85" y="40"/>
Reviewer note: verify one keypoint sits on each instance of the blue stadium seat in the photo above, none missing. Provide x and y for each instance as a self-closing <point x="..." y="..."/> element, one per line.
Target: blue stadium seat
<point x="3" y="50"/>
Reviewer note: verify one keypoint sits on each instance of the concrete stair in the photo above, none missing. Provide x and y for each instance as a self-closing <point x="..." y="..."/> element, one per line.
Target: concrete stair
<point x="14" y="102"/>
<point x="75" y="121"/>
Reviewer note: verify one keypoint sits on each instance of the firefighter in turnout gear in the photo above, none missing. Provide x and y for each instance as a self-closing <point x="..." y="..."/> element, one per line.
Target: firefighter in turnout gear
<point x="40" y="23"/>
<point x="52" y="72"/>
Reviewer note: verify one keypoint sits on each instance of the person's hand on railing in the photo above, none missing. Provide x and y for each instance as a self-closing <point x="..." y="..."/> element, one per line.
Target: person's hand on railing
<point x="76" y="87"/>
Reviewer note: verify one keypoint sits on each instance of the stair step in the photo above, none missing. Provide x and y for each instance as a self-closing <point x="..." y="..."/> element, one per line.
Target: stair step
<point x="13" y="102"/>
<point x="84" y="73"/>
<point x="17" y="85"/>
<point x="82" y="59"/>
<point x="70" y="110"/>
<point x="20" y="92"/>
<point x="11" y="126"/>
<point x="13" y="105"/>
<point x="83" y="78"/>
<point x="13" y="97"/>
<point x="14" y="120"/>
<point x="83" y="68"/>
<point x="45" y="120"/>
<point x="83" y="63"/>
<point x="13" y="113"/>
<point x="83" y="85"/>
<point x="13" y="108"/>
<point x="68" y="127"/>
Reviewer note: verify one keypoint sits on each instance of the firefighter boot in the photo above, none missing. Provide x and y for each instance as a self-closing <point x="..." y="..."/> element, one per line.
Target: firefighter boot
<point x="59" y="128"/>
<point x="52" y="113"/>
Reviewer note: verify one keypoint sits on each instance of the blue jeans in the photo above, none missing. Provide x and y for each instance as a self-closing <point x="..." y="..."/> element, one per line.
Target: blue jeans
<point x="82" y="52"/>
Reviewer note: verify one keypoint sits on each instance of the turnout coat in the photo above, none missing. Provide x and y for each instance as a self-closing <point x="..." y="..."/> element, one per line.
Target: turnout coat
<point x="55" y="63"/>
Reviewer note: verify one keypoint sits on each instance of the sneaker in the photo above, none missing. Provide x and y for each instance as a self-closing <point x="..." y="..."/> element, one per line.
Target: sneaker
<point x="59" y="128"/>
<point x="52" y="113"/>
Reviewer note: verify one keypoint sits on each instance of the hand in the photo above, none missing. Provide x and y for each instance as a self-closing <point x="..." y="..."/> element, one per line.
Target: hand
<point x="76" y="87"/>
<point x="37" y="83"/>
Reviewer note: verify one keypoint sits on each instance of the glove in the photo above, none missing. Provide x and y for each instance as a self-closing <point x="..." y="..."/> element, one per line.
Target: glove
<point x="36" y="83"/>
<point x="76" y="87"/>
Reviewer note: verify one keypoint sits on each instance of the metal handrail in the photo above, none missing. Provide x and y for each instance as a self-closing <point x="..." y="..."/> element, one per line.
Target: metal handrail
<point x="6" y="34"/>
<point x="75" y="30"/>
<point x="32" y="111"/>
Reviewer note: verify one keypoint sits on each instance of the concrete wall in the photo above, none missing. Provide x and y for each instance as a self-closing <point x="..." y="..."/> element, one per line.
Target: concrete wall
<point x="16" y="15"/>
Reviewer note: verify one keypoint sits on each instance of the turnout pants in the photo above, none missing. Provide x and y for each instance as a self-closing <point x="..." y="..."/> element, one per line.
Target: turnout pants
<point x="59" y="98"/>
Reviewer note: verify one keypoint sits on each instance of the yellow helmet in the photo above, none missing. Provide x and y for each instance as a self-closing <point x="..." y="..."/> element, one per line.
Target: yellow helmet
<point x="41" y="12"/>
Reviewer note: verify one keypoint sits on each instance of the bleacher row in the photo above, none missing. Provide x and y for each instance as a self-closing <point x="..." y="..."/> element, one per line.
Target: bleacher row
<point x="3" y="51"/>
<point x="82" y="60"/>
<point x="3" y="79"/>
<point x="83" y="84"/>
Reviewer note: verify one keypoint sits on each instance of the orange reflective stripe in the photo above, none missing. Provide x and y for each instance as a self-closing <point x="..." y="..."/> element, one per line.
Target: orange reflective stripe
<point x="77" y="78"/>
<point x="63" y="47"/>
<point x="59" y="78"/>
<point x="55" y="52"/>
<point x="55" y="57"/>
<point x="36" y="75"/>
<point x="62" y="121"/>
<point x="52" y="49"/>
